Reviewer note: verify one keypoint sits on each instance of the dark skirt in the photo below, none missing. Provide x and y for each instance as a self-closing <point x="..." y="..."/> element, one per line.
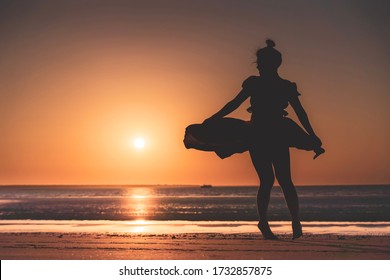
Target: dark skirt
<point x="227" y="136"/>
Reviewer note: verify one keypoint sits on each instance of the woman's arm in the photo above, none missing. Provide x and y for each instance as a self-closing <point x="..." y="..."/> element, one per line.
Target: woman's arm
<point x="303" y="118"/>
<point x="231" y="105"/>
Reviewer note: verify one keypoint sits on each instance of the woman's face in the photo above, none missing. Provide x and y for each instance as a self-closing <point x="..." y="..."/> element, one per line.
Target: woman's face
<point x="266" y="65"/>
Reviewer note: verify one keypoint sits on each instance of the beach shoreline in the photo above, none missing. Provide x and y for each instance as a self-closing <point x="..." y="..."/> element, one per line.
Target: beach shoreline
<point x="183" y="226"/>
<point x="73" y="223"/>
<point x="189" y="246"/>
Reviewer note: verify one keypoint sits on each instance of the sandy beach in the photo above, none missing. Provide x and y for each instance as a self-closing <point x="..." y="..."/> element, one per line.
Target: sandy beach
<point x="192" y="246"/>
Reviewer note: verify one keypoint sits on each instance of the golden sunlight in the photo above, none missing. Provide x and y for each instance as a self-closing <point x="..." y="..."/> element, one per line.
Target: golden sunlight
<point x="139" y="143"/>
<point x="139" y="196"/>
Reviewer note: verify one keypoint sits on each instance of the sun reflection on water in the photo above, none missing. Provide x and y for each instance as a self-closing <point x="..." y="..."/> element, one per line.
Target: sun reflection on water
<point x="139" y="196"/>
<point x="138" y="226"/>
<point x="139" y="202"/>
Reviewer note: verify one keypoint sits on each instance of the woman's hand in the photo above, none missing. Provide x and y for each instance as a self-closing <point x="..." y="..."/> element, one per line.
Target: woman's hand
<point x="318" y="150"/>
<point x="316" y="140"/>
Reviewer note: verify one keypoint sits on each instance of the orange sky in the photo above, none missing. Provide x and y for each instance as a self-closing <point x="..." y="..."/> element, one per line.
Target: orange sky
<point x="78" y="82"/>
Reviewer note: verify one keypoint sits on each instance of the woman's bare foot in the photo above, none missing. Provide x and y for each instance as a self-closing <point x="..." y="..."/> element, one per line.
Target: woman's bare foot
<point x="297" y="230"/>
<point x="266" y="231"/>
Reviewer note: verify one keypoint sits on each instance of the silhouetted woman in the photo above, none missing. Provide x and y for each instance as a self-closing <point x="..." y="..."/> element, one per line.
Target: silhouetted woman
<point x="272" y="133"/>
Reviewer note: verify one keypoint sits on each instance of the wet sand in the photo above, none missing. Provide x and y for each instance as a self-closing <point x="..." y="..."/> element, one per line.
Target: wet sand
<point x="190" y="246"/>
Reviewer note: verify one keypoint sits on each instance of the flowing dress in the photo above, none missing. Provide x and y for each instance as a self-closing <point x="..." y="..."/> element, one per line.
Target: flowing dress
<point x="268" y="128"/>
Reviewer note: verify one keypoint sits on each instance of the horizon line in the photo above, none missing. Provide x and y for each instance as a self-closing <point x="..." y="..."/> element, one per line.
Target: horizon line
<point x="184" y="185"/>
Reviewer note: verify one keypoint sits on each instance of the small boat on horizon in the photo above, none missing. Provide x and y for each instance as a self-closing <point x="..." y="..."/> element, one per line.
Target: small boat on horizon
<point x="206" y="186"/>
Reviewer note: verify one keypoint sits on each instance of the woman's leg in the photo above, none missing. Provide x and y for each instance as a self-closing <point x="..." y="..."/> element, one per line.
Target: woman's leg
<point x="265" y="172"/>
<point x="283" y="175"/>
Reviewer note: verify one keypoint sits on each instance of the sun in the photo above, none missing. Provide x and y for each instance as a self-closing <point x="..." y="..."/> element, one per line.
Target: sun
<point x="139" y="143"/>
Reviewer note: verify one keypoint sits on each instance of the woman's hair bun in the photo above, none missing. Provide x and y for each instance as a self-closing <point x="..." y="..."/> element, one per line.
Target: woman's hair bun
<point x="270" y="43"/>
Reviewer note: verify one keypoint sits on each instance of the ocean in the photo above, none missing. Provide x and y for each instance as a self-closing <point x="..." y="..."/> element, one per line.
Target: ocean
<point x="351" y="210"/>
<point x="368" y="203"/>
